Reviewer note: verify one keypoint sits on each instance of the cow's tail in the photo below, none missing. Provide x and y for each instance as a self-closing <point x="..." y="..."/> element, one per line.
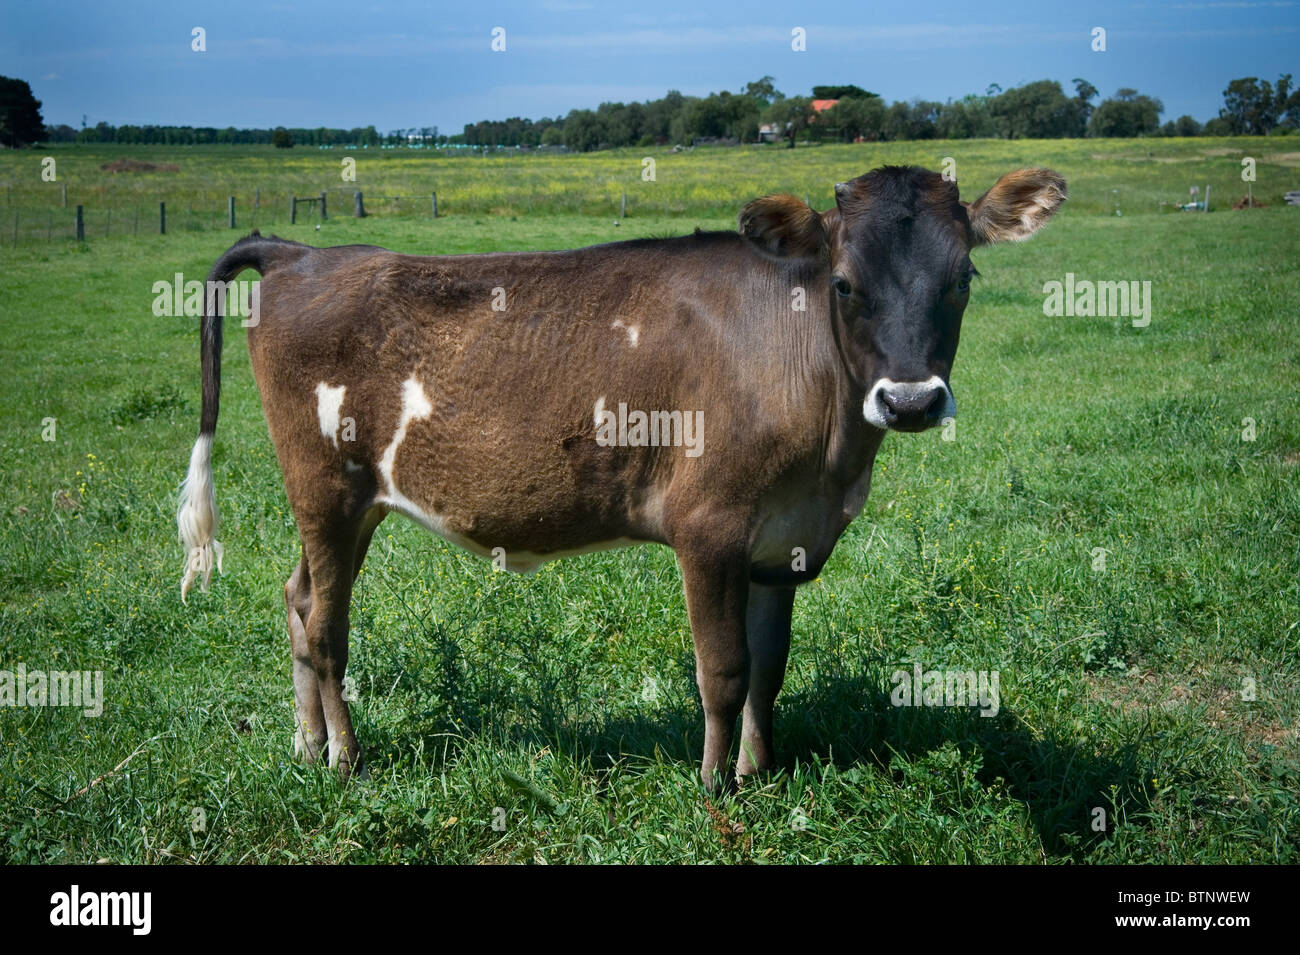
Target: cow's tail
<point x="196" y="512"/>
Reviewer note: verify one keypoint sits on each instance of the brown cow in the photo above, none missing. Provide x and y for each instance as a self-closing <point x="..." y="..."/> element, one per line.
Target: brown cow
<point x="721" y="393"/>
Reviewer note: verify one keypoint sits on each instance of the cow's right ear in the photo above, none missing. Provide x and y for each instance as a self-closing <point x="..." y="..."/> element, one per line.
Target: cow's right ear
<point x="784" y="226"/>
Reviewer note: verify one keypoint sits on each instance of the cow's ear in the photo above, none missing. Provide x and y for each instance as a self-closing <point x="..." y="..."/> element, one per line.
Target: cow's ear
<point x="1017" y="206"/>
<point x="782" y="225"/>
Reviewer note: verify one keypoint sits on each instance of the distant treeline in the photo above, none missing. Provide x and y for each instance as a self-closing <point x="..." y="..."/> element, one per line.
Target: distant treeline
<point x="205" y="135"/>
<point x="1038" y="110"/>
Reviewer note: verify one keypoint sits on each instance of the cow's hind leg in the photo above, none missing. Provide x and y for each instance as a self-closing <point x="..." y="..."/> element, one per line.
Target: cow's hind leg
<point x="310" y="735"/>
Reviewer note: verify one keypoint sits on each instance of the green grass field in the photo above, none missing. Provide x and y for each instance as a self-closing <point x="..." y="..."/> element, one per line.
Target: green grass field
<point x="1138" y="177"/>
<point x="1124" y="689"/>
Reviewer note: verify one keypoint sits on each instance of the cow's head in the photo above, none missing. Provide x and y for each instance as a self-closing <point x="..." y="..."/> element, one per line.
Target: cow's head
<point x="898" y="246"/>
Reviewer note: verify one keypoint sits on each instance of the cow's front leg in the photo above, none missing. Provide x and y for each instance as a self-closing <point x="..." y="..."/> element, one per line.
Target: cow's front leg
<point x="716" y="577"/>
<point x="768" y="634"/>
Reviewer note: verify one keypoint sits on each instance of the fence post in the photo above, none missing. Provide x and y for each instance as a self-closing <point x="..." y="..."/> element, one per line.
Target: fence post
<point x="64" y="187"/>
<point x="81" y="225"/>
<point x="322" y="205"/>
<point x="622" y="208"/>
<point x="162" y="218"/>
<point x="293" y="209"/>
<point x="358" y="206"/>
<point x="231" y="206"/>
<point x="435" y="205"/>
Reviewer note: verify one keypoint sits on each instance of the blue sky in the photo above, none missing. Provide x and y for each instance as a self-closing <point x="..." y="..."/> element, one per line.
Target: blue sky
<point x="402" y="64"/>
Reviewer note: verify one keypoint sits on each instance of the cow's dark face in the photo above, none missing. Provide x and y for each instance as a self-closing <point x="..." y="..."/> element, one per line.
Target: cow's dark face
<point x="900" y="277"/>
<point x="897" y="246"/>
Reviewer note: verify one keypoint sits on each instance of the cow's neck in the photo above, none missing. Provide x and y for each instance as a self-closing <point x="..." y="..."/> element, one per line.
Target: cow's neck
<point x="851" y="452"/>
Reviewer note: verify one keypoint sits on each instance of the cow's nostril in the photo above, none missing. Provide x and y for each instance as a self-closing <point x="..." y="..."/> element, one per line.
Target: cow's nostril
<point x="907" y="405"/>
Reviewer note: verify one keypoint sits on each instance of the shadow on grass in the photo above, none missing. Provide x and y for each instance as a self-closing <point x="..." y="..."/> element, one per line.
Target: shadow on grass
<point x="845" y="719"/>
<point x="852" y="720"/>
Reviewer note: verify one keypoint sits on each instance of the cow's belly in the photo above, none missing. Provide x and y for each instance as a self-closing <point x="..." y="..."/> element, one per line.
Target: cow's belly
<point x="519" y="560"/>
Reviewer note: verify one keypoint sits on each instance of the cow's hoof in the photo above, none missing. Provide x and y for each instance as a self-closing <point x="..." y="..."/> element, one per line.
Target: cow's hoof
<point x="305" y="749"/>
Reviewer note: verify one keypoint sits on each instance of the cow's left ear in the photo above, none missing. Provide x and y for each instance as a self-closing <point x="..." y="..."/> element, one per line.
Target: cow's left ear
<point x="1017" y="206"/>
<point x="785" y="226"/>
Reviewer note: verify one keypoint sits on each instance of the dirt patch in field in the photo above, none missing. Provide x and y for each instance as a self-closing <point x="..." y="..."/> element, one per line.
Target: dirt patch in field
<point x="1245" y="202"/>
<point x="136" y="165"/>
<point x="1220" y="151"/>
<point x="1145" y="157"/>
<point x="1135" y="693"/>
<point x="1282" y="159"/>
<point x="1131" y="157"/>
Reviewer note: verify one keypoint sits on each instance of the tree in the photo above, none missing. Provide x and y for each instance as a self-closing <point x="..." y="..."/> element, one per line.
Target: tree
<point x="1252" y="108"/>
<point x="281" y="138"/>
<point x="722" y="115"/>
<point x="1084" y="94"/>
<point x="1035" y="111"/>
<point x="20" y="114"/>
<point x="790" y="116"/>
<point x="1183" y="126"/>
<point x="841" y="92"/>
<point x="910" y="121"/>
<point x="583" y="130"/>
<point x="62" y="133"/>
<point x="968" y="118"/>
<point x="1127" y="114"/>
<point x="763" y="90"/>
<point x="855" y="116"/>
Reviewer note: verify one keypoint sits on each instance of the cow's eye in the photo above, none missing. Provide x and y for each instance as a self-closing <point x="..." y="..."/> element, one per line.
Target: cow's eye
<point x="842" y="287"/>
<point x="963" y="284"/>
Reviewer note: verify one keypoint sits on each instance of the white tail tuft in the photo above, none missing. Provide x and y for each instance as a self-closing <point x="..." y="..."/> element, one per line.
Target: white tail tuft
<point x="196" y="518"/>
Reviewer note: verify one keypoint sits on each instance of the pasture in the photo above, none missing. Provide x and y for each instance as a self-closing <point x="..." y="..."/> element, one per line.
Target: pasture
<point x="554" y="718"/>
<point x="1138" y="177"/>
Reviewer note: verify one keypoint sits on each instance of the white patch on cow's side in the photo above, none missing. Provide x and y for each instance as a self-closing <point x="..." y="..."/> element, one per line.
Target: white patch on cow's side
<point x="873" y="408"/>
<point x="415" y="406"/>
<point x="600" y="410"/>
<point x="633" y="331"/>
<point x="328" y="402"/>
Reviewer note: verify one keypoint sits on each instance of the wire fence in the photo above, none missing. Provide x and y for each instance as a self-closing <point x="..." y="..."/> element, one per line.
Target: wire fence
<point x="26" y="222"/>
